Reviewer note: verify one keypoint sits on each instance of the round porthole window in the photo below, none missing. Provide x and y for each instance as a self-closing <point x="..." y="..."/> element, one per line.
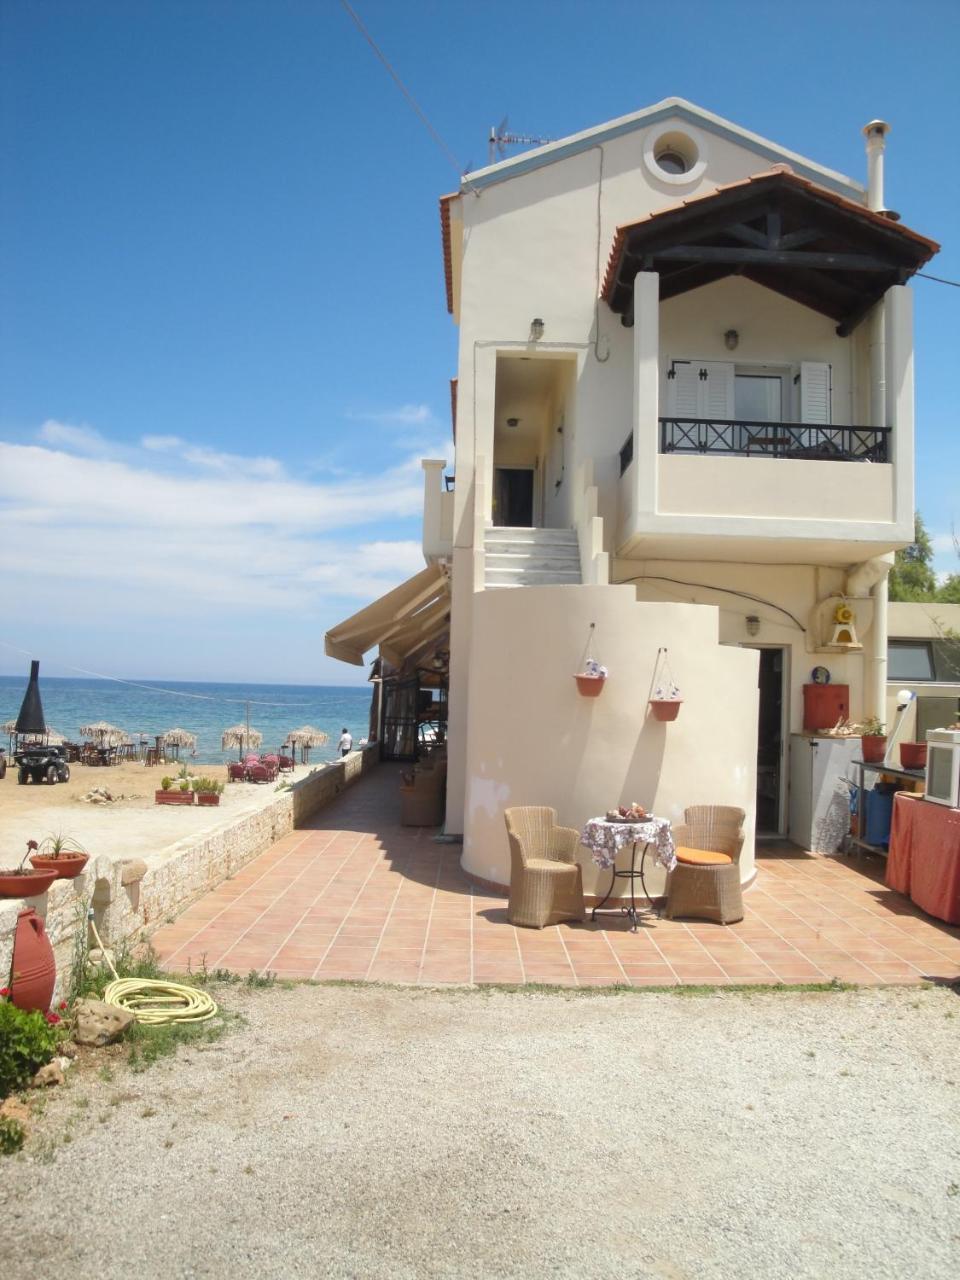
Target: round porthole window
<point x="672" y="161"/>
<point x="675" y="155"/>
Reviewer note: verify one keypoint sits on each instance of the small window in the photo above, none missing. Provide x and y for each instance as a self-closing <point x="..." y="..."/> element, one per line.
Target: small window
<point x="910" y="660"/>
<point x="672" y="162"/>
<point x="675" y="156"/>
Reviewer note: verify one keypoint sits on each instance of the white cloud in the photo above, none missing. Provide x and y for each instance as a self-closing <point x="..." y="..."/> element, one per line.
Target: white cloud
<point x="212" y="459"/>
<point x="81" y="439"/>
<point x="161" y="444"/>
<point x="406" y="415"/>
<point x="101" y="538"/>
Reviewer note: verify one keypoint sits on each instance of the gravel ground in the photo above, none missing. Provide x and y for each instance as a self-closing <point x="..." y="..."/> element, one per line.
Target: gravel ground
<point x="382" y="1132"/>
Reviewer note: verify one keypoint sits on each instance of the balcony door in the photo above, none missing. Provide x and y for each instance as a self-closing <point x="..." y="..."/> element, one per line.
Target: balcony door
<point x="759" y="397"/>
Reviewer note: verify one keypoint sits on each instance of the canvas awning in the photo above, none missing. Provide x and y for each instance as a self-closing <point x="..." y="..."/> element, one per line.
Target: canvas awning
<point x="400" y="622"/>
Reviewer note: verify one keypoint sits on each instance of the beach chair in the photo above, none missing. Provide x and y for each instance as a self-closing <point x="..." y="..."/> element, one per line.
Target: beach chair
<point x="258" y="773"/>
<point x="285" y="764"/>
<point x="236" y="773"/>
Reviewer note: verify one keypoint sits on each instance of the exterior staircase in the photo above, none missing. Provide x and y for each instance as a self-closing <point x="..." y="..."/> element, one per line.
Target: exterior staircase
<point x="531" y="557"/>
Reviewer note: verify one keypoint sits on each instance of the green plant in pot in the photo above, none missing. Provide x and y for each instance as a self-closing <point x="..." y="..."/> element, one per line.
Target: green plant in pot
<point x="873" y="738"/>
<point x="23" y="881"/>
<point x="62" y="854"/>
<point x="208" y="790"/>
<point x="166" y="784"/>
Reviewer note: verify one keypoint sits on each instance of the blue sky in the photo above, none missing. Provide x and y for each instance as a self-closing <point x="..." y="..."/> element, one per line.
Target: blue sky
<point x="224" y="344"/>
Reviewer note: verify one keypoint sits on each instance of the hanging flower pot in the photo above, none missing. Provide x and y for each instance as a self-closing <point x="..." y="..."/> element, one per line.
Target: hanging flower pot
<point x="591" y="679"/>
<point x="665" y="708"/>
<point x="665" y="699"/>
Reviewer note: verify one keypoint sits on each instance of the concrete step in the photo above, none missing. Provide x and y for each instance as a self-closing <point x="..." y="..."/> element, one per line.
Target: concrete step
<point x="565" y="537"/>
<point x="531" y="577"/>
<point x="533" y="560"/>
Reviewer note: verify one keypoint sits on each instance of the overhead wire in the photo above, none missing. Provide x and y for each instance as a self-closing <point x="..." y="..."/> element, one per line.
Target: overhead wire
<point x="152" y="688"/>
<point x="411" y="100"/>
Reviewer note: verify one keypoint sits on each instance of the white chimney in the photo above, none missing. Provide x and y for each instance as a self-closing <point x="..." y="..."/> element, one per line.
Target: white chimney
<point x="876" y="135"/>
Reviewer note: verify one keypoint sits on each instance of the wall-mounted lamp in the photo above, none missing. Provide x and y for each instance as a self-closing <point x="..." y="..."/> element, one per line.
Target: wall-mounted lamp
<point x="753" y="624"/>
<point x="536" y="329"/>
<point x="513" y="422"/>
<point x="731" y="339"/>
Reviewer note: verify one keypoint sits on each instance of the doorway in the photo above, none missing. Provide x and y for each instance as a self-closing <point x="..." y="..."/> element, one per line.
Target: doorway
<point x="771" y="740"/>
<point x="513" y="497"/>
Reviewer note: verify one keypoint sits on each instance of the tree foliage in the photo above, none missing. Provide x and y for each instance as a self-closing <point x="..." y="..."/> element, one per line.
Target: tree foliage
<point x="912" y="577"/>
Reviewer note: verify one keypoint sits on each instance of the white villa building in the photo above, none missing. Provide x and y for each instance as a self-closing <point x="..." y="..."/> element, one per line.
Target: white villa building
<point x="684" y="416"/>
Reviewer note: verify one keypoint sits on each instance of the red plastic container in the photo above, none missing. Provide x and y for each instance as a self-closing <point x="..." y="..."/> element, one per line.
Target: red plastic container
<point x="34" y="968"/>
<point x="824" y="705"/>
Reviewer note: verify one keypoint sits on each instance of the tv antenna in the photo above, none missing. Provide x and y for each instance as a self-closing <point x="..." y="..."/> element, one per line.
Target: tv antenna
<point x="500" y="138"/>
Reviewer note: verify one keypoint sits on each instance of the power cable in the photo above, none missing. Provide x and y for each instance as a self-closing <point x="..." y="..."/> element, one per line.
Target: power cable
<point x="707" y="586"/>
<point x="153" y="688"/>
<point x="939" y="279"/>
<point x="358" y="22"/>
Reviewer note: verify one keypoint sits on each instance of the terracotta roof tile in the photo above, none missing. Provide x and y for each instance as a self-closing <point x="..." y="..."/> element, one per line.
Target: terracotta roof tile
<point x="445" y="202"/>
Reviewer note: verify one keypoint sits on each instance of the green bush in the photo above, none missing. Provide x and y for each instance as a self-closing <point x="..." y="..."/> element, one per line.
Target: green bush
<point x="166" y="784"/>
<point x="27" y="1041"/>
<point x="12" y="1135"/>
<point x="184" y="786"/>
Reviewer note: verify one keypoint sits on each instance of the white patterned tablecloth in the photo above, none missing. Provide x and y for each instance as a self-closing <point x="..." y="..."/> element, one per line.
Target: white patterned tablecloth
<point x="606" y="839"/>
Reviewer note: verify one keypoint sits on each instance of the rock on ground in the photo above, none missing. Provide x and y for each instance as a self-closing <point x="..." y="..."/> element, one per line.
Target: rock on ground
<point x="373" y="1132"/>
<point x="97" y="1023"/>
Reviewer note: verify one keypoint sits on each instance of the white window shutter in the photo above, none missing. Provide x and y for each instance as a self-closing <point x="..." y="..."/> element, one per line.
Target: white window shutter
<point x="683" y="389"/>
<point x="814" y="392"/>
<point x="716" y="390"/>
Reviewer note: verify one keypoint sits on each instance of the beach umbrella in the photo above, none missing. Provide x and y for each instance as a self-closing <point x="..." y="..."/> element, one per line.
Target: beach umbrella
<point x="107" y="735"/>
<point x="240" y="735"/>
<point x="9" y="727"/>
<point x="178" y="738"/>
<point x="305" y="738"/>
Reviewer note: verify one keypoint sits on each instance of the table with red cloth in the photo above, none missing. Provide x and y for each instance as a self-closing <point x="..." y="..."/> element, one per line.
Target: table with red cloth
<point x="924" y="857"/>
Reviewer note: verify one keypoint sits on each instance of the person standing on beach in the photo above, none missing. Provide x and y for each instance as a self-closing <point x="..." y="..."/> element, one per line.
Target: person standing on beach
<point x="346" y="741"/>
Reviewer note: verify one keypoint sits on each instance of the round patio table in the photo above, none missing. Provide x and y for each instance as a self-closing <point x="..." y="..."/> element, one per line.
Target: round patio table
<point x="606" y="839"/>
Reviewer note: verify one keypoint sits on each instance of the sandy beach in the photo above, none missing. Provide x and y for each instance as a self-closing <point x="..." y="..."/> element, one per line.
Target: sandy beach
<point x="132" y="824"/>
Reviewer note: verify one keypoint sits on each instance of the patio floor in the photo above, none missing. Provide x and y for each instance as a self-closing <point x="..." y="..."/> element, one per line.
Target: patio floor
<point x="355" y="895"/>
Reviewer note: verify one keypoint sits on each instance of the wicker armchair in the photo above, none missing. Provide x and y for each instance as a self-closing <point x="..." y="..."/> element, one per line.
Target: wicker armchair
<point x="546" y="883"/>
<point x="705" y="884"/>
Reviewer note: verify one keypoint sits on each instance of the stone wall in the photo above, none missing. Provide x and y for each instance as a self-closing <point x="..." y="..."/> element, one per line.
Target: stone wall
<point x="133" y="896"/>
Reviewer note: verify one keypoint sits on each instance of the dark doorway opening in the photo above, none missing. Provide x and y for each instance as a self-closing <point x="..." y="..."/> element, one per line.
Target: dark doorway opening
<point x="513" y="497"/>
<point x="770" y="742"/>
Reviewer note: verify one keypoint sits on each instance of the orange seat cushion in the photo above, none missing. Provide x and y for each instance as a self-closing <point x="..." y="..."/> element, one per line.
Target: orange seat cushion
<point x="702" y="857"/>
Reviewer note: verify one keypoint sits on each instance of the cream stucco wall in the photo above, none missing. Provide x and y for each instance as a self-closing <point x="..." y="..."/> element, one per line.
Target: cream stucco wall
<point x="770" y="593"/>
<point x="772" y="490"/>
<point x="535" y="740"/>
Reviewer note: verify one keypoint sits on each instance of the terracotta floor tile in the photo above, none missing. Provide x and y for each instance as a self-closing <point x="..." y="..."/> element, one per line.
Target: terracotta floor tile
<point x="355" y="895"/>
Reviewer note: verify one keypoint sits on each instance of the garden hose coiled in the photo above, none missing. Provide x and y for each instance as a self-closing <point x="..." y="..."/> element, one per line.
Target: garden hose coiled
<point x="153" y="1001"/>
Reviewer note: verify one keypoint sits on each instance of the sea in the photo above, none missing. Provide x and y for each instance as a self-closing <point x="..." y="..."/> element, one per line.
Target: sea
<point x="148" y="707"/>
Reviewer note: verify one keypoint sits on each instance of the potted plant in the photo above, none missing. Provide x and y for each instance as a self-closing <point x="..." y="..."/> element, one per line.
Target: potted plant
<point x="665" y="699"/>
<point x="25" y="882"/>
<point x="873" y="740"/>
<point x="62" y="854"/>
<point x="167" y="795"/>
<point x="913" y="755"/>
<point x="666" y="702"/>
<point x="208" y="791"/>
<point x="591" y="679"/>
